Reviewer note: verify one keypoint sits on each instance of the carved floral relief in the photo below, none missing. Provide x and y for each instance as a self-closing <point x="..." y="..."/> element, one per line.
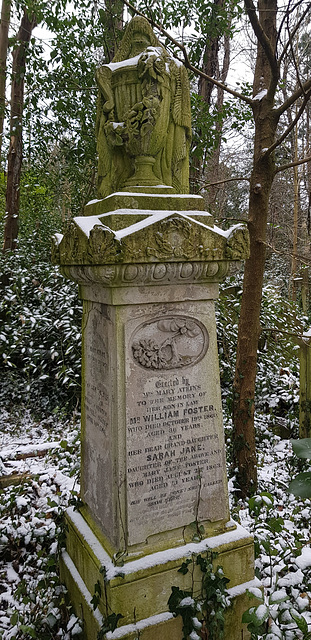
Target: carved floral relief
<point x="170" y="343"/>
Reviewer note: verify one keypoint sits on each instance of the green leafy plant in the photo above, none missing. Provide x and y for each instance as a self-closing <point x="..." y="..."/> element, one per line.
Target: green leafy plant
<point x="273" y="616"/>
<point x="279" y="611"/>
<point x="110" y="620"/>
<point x="110" y="624"/>
<point x="206" y="608"/>
<point x="301" y="484"/>
<point x="38" y="607"/>
<point x="40" y="329"/>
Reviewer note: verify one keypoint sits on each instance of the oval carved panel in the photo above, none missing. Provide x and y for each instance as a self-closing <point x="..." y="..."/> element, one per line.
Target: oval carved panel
<point x="170" y="343"/>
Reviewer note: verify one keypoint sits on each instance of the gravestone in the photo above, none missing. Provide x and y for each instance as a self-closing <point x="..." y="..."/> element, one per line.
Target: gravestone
<point x="148" y="260"/>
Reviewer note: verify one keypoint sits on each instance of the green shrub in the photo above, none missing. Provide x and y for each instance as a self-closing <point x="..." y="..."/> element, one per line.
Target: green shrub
<point x="277" y="381"/>
<point x="40" y="329"/>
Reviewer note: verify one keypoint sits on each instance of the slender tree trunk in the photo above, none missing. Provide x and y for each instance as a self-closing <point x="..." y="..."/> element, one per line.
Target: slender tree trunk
<point x="15" y="150"/>
<point x="212" y="170"/>
<point x="211" y="67"/>
<point x="210" y="64"/>
<point x="265" y="82"/>
<point x="306" y="227"/>
<point x="114" y="9"/>
<point x="295" y="221"/>
<point x="4" y="40"/>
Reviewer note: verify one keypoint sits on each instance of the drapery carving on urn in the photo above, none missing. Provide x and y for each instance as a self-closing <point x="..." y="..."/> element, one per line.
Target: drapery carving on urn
<point x="143" y="116"/>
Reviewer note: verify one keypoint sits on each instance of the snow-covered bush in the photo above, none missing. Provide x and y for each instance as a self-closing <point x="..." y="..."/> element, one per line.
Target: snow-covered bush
<point x="33" y="602"/>
<point x="277" y="382"/>
<point x="40" y="329"/>
<point x="283" y="564"/>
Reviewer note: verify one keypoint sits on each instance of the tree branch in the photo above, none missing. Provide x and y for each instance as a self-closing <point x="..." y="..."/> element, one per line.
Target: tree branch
<point x="261" y="37"/>
<point x="295" y="96"/>
<point x="293" y="33"/>
<point x="290" y="40"/>
<point x="186" y="60"/>
<point x="283" y="331"/>
<point x="289" y="254"/>
<point x="290" y="127"/>
<point x="212" y="184"/>
<point x="283" y="167"/>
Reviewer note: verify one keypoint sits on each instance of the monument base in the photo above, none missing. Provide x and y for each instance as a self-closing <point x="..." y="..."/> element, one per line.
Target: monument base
<point x="140" y="589"/>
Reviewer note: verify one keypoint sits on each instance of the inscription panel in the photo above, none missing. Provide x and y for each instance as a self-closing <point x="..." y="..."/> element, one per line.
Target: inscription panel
<point x="174" y="436"/>
<point x="97" y="471"/>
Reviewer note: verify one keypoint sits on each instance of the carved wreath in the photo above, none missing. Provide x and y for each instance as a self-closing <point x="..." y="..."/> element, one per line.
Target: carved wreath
<point x="166" y="355"/>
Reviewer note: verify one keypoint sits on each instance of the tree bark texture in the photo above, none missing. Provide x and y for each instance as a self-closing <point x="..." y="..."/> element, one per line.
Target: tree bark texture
<point x="4" y="40"/>
<point x="212" y="170"/>
<point x="211" y="67"/>
<point x="114" y="10"/>
<point x="15" y="149"/>
<point x="265" y="82"/>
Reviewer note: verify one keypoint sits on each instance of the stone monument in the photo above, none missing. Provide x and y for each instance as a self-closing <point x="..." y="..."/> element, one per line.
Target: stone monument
<point x="148" y="260"/>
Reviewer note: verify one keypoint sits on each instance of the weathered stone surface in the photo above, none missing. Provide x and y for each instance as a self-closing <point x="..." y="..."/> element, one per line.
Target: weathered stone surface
<point x="153" y="455"/>
<point x="144" y="116"/>
<point x="155" y="238"/>
<point x="120" y="279"/>
<point x="145" y="201"/>
<point x="148" y="262"/>
<point x="141" y="590"/>
<point x="174" y="436"/>
<point x="99" y="472"/>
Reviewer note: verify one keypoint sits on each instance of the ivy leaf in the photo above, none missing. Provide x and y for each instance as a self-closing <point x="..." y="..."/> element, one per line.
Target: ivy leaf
<point x="112" y="621"/>
<point x="302" y="448"/>
<point x="27" y="629"/>
<point x="14" y="618"/>
<point x="275" y="524"/>
<point x="301" y="485"/>
<point x="184" y="567"/>
<point x="300" y="621"/>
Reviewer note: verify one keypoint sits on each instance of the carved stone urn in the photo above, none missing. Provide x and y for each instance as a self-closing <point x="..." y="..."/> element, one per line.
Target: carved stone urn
<point x="141" y="88"/>
<point x="143" y="123"/>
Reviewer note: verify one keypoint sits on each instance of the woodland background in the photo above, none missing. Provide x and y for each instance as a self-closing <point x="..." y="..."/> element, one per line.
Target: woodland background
<point x="250" y="72"/>
<point x="249" y="67"/>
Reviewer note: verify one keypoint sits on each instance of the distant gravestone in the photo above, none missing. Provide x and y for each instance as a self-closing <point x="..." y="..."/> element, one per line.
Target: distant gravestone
<point x="148" y="261"/>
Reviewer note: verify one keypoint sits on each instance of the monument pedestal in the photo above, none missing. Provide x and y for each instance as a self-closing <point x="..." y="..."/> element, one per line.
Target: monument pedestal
<point x="141" y="588"/>
<point x="153" y="473"/>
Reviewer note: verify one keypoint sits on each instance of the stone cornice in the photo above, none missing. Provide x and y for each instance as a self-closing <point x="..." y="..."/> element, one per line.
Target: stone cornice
<point x="160" y="273"/>
<point x="150" y="247"/>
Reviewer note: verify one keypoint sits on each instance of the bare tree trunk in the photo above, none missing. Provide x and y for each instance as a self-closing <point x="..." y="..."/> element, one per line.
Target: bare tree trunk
<point x="306" y="228"/>
<point x="211" y="67"/>
<point x="295" y="221"/>
<point x="265" y="82"/>
<point x="114" y="9"/>
<point x="4" y="40"/>
<point x="15" y="150"/>
<point x="210" y="64"/>
<point x="212" y="170"/>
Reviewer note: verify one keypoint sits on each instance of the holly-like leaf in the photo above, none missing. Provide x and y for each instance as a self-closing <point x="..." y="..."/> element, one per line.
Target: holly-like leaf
<point x="302" y="448"/>
<point x="300" y="621"/>
<point x="301" y="485"/>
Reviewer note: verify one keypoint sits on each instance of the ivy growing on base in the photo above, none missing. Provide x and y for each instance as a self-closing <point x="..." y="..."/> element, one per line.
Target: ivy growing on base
<point x="204" y="612"/>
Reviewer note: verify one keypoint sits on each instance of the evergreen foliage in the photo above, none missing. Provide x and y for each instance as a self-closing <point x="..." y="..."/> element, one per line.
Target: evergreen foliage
<point x="40" y="321"/>
<point x="277" y="382"/>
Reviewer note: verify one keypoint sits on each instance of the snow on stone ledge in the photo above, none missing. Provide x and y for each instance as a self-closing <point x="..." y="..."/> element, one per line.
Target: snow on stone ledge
<point x="139" y="626"/>
<point x="86" y="223"/>
<point x="158" y="558"/>
<point x="58" y="238"/>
